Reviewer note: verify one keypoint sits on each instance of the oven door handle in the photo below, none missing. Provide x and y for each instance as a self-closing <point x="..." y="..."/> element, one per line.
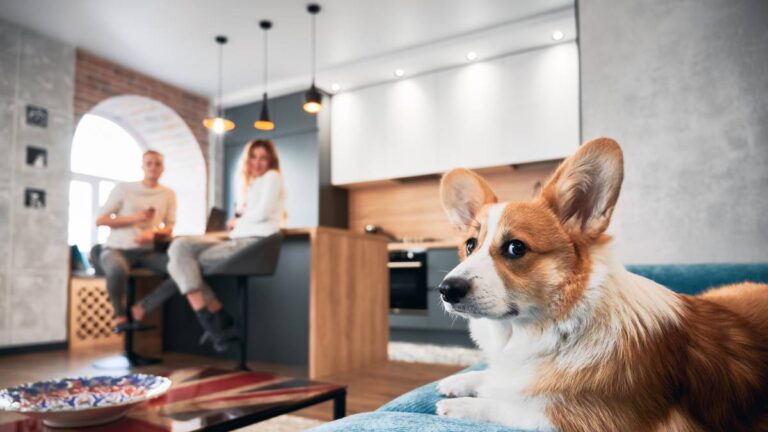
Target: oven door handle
<point x="404" y="264"/>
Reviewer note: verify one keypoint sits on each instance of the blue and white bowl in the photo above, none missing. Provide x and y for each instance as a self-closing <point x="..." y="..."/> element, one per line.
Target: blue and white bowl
<point x="82" y="401"/>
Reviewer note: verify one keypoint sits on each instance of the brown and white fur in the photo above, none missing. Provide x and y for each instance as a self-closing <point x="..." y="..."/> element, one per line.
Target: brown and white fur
<point x="577" y="343"/>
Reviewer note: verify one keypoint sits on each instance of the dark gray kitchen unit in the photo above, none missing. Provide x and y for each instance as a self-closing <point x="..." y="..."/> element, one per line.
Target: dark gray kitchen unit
<point x="434" y="325"/>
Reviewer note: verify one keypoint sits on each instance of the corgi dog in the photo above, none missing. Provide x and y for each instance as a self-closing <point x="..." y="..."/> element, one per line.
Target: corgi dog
<point x="575" y="342"/>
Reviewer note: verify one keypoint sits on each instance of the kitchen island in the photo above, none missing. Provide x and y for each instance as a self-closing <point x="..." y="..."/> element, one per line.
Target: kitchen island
<point x="326" y="307"/>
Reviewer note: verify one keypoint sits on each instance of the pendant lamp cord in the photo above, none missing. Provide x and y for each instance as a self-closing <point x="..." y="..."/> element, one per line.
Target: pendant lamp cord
<point x="221" y="73"/>
<point x="314" y="47"/>
<point x="266" y="59"/>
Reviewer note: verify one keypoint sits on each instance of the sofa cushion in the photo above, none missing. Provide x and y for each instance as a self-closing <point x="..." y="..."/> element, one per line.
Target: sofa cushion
<point x="381" y="421"/>
<point x="695" y="278"/>
<point x="422" y="399"/>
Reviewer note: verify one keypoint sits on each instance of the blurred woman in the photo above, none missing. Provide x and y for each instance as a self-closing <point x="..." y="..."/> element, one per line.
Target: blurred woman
<point x="259" y="209"/>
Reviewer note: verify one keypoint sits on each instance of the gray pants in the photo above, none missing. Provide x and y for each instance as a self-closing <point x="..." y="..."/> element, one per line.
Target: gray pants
<point x="117" y="264"/>
<point x="187" y="256"/>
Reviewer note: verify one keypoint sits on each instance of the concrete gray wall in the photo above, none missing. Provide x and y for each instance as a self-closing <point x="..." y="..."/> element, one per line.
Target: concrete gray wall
<point x="34" y="255"/>
<point x="683" y="86"/>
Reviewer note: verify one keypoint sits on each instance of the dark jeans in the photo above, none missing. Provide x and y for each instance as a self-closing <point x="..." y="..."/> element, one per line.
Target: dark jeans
<point x="117" y="264"/>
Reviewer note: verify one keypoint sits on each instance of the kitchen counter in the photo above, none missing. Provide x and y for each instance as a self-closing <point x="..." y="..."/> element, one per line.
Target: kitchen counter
<point x="440" y="244"/>
<point x="326" y="307"/>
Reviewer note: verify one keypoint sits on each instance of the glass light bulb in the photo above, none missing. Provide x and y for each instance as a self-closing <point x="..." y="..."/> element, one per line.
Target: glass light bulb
<point x="218" y="125"/>
<point x="312" y="107"/>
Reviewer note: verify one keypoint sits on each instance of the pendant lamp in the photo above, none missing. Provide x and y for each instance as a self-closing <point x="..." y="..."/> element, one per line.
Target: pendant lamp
<point x="219" y="124"/>
<point x="264" y="122"/>
<point x="313" y="99"/>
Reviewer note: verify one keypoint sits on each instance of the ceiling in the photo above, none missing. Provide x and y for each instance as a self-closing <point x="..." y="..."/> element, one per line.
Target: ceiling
<point x="360" y="42"/>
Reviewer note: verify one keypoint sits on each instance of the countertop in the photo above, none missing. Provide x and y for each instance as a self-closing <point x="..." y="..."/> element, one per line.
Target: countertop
<point x="440" y="244"/>
<point x="314" y="230"/>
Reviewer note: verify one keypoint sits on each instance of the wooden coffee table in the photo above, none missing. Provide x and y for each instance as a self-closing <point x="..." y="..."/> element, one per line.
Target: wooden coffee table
<point x="215" y="400"/>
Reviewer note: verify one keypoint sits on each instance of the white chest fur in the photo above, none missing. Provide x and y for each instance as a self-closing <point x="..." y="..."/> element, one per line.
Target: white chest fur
<point x="514" y="356"/>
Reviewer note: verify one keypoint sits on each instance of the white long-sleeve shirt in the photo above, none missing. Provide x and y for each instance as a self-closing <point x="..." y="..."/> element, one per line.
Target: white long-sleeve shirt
<point x="263" y="209"/>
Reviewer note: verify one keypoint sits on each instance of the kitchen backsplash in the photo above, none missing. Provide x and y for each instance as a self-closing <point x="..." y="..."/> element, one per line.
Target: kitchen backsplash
<point x="412" y="209"/>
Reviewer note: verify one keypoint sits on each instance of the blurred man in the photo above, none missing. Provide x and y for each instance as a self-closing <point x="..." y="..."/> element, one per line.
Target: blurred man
<point x="136" y="213"/>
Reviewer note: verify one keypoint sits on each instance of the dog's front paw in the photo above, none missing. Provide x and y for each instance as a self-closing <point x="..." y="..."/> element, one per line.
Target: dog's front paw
<point x="460" y="385"/>
<point x="463" y="408"/>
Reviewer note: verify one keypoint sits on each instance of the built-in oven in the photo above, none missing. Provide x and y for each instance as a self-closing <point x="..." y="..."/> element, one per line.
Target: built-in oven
<point x="408" y="281"/>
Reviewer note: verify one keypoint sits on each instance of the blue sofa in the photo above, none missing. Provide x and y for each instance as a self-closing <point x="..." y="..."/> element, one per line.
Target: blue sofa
<point x="415" y="410"/>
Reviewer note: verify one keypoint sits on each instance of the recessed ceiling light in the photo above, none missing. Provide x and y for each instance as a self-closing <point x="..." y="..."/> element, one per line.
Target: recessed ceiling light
<point x="335" y="87"/>
<point x="471" y="55"/>
<point x="557" y="35"/>
<point x="399" y="72"/>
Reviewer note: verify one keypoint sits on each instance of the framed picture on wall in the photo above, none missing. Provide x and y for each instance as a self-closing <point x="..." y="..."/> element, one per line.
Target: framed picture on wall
<point x="34" y="198"/>
<point x="37" y="157"/>
<point x="37" y="116"/>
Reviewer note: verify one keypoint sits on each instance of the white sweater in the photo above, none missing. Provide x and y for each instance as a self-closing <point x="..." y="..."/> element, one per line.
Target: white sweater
<point x="131" y="198"/>
<point x="263" y="207"/>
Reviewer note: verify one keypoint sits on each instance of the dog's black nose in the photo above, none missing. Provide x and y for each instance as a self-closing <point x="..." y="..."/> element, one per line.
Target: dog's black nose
<point x="454" y="289"/>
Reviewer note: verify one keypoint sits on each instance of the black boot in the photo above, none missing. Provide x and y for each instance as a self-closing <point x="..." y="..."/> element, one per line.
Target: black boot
<point x="206" y="320"/>
<point x="219" y="329"/>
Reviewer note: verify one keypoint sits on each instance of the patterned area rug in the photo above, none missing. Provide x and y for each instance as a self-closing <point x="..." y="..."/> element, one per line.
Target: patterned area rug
<point x="284" y="423"/>
<point x="435" y="354"/>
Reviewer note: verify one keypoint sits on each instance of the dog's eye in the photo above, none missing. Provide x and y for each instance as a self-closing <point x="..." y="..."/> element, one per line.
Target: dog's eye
<point x="469" y="246"/>
<point x="514" y="249"/>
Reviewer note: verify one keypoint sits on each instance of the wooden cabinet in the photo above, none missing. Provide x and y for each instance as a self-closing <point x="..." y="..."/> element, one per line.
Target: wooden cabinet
<point x="90" y="317"/>
<point x="515" y="109"/>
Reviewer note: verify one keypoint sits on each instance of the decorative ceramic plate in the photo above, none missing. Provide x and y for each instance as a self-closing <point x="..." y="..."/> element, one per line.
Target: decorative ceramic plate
<point x="82" y="401"/>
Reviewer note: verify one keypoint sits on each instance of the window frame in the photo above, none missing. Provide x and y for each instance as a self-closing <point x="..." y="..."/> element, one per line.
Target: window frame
<point x="95" y="180"/>
<point x="95" y="205"/>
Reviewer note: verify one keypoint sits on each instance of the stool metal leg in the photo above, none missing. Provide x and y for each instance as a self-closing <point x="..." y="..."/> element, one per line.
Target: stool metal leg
<point x="130" y="297"/>
<point x="242" y="288"/>
<point x="129" y="358"/>
<point x="134" y="359"/>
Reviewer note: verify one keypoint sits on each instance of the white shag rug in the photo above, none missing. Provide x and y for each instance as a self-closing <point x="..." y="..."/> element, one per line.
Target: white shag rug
<point x="283" y="423"/>
<point x="435" y="354"/>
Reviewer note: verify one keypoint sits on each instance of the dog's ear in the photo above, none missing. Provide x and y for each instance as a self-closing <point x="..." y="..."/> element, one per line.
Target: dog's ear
<point x="584" y="189"/>
<point x="463" y="193"/>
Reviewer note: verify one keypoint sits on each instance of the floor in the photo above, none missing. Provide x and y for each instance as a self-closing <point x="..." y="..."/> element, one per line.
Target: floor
<point x="367" y="388"/>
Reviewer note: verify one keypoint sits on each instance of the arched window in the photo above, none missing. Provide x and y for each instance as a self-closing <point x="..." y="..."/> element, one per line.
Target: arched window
<point x="107" y="148"/>
<point x="103" y="154"/>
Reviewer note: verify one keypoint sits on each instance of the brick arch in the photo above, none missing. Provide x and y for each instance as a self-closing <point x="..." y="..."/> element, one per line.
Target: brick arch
<point x="98" y="79"/>
<point x="156" y="126"/>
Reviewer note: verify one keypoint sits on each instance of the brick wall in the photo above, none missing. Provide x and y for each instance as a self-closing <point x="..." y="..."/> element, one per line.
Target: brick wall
<point x="97" y="79"/>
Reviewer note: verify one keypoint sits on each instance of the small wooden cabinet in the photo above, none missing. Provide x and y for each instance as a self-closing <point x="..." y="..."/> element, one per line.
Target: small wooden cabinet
<point x="90" y="317"/>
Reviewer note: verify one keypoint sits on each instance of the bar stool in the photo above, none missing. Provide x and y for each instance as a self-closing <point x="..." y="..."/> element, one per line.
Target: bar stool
<point x="129" y="358"/>
<point x="257" y="259"/>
